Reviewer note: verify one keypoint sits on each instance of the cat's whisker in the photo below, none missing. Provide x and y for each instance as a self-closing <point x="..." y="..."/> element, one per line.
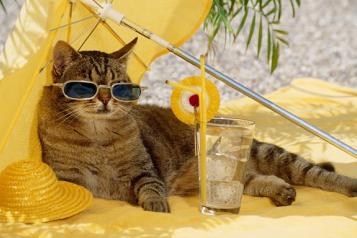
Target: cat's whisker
<point x="75" y="114"/>
<point x="70" y="111"/>
<point x="66" y="111"/>
<point x="63" y="116"/>
<point x="122" y="109"/>
<point x="66" y="118"/>
<point x="62" y="111"/>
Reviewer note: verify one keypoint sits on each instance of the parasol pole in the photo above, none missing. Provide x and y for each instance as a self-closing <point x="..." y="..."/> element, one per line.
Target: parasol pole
<point x="106" y="11"/>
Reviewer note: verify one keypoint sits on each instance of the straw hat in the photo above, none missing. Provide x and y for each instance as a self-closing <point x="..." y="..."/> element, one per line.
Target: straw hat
<point x="30" y="193"/>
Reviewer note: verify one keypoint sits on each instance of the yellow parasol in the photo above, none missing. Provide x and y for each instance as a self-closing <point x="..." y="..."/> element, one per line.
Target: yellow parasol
<point x="25" y="62"/>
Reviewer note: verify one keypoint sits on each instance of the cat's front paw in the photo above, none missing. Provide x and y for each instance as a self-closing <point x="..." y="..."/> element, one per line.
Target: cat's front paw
<point x="156" y="205"/>
<point x="284" y="196"/>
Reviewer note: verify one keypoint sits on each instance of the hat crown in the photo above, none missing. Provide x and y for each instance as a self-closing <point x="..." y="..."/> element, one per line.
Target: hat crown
<point x="27" y="182"/>
<point x="30" y="193"/>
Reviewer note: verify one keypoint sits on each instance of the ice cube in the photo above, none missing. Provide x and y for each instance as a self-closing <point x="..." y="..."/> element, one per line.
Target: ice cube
<point x="220" y="167"/>
<point x="245" y="131"/>
<point x="224" y="195"/>
<point x="210" y="142"/>
<point x="227" y="146"/>
<point x="240" y="171"/>
<point x="246" y="140"/>
<point x="214" y="130"/>
<point x="237" y="133"/>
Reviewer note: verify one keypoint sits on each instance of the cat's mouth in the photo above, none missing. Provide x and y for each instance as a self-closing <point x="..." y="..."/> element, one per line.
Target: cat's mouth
<point x="103" y="111"/>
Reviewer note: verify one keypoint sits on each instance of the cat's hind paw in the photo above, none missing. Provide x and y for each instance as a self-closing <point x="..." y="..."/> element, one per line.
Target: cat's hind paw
<point x="156" y="205"/>
<point x="284" y="196"/>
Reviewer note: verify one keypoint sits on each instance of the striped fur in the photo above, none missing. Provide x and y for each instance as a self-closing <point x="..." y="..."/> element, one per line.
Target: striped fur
<point x="272" y="169"/>
<point x="142" y="153"/>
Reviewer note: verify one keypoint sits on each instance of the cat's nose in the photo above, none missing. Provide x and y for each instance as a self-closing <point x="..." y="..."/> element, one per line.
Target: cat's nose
<point x="104" y="95"/>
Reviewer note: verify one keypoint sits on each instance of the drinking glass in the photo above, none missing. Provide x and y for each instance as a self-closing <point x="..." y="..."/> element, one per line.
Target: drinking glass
<point x="228" y="144"/>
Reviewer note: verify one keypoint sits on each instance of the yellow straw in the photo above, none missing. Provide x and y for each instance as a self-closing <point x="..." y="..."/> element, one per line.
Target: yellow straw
<point x="203" y="126"/>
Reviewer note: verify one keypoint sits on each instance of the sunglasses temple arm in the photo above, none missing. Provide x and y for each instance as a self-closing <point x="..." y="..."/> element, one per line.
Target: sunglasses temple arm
<point x="60" y="85"/>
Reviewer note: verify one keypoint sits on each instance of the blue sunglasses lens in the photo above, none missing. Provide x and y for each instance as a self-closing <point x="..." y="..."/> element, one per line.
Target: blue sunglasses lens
<point x="126" y="92"/>
<point x="80" y="90"/>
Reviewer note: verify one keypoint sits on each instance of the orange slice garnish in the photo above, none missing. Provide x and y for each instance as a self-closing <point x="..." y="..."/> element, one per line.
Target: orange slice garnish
<point x="181" y="100"/>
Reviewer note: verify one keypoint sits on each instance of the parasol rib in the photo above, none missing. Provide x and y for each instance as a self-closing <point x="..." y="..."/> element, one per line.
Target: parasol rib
<point x="114" y="34"/>
<point x="90" y="33"/>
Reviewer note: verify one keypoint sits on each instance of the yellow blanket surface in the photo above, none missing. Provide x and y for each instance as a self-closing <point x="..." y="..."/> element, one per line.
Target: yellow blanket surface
<point x="315" y="213"/>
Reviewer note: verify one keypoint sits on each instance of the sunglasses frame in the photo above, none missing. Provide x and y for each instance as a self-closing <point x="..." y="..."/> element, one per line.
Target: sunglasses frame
<point x="62" y="86"/>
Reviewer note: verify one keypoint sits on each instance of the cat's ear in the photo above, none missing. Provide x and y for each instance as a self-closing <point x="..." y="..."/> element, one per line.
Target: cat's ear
<point x="124" y="53"/>
<point x="63" y="56"/>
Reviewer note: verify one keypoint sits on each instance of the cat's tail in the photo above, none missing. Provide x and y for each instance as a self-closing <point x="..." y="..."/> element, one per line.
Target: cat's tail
<point x="296" y="170"/>
<point x="323" y="176"/>
<point x="327" y="166"/>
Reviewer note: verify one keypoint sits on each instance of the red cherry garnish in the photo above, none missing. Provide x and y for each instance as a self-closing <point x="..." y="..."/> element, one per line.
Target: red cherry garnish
<point x="194" y="100"/>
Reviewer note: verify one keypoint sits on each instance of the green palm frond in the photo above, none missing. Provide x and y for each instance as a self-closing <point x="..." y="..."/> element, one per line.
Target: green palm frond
<point x="261" y="17"/>
<point x="2" y="5"/>
<point x="264" y="15"/>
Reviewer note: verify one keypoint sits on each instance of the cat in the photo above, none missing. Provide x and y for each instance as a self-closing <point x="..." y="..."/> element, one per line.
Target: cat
<point x="142" y="153"/>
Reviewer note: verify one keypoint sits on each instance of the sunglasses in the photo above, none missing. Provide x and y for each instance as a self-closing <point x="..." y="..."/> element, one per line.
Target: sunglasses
<point x="86" y="90"/>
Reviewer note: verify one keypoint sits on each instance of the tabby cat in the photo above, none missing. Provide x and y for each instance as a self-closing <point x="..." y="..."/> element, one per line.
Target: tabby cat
<point x="142" y="153"/>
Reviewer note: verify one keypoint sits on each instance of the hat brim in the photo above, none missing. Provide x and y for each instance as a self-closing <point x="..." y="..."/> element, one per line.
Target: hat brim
<point x="69" y="200"/>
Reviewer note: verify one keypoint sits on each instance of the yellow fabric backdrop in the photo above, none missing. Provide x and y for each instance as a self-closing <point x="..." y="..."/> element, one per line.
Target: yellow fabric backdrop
<point x="315" y="213"/>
